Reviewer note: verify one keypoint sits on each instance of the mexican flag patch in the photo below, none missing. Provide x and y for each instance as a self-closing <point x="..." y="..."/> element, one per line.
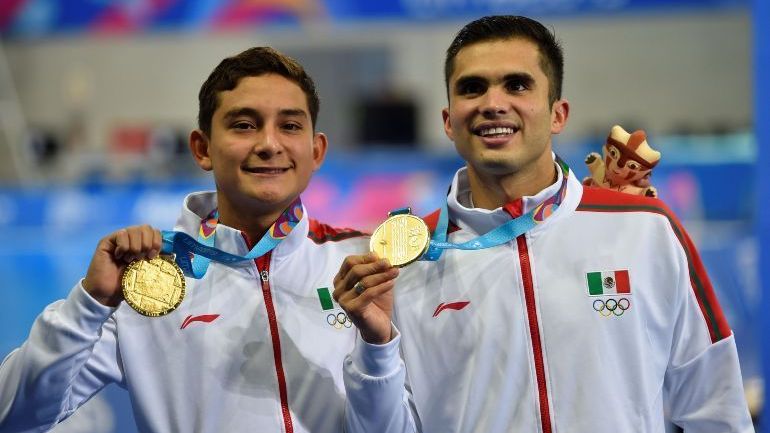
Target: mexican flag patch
<point x="608" y="283"/>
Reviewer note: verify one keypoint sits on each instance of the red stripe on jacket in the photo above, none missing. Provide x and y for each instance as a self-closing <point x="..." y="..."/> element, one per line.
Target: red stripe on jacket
<point x="604" y="200"/>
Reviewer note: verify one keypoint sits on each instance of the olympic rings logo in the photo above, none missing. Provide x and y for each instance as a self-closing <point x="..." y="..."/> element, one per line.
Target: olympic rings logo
<point x="612" y="307"/>
<point x="339" y="320"/>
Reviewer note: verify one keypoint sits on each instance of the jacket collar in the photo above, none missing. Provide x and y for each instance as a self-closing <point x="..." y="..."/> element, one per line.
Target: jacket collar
<point x="199" y="205"/>
<point x="480" y="221"/>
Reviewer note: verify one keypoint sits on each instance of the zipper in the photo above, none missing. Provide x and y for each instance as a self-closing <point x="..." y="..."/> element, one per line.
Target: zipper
<point x="263" y="266"/>
<point x="534" y="333"/>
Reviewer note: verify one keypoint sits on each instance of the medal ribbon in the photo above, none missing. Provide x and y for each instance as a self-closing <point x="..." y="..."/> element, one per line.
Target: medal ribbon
<point x="502" y="234"/>
<point x="194" y="256"/>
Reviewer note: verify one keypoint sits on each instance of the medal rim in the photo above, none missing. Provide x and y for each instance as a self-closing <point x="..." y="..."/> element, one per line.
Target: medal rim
<point x="152" y="313"/>
<point x="423" y="226"/>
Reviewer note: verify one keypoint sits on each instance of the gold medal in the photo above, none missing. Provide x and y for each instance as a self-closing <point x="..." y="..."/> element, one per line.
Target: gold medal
<point x="402" y="239"/>
<point x="153" y="287"/>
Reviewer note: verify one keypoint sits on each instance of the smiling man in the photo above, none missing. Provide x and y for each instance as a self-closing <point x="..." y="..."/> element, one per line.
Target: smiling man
<point x="254" y="346"/>
<point x="585" y="311"/>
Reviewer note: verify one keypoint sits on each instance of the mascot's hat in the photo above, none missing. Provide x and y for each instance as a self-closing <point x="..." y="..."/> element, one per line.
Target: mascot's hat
<point x="636" y="142"/>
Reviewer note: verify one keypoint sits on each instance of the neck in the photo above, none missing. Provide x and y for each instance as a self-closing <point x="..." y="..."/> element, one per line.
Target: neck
<point x="254" y="222"/>
<point x="491" y="191"/>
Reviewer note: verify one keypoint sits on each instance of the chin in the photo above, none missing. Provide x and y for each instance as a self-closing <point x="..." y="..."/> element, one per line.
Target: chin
<point x="270" y="198"/>
<point x="497" y="165"/>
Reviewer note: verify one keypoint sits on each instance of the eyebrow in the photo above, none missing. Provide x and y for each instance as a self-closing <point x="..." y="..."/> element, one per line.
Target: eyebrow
<point x="240" y="111"/>
<point x="524" y="77"/>
<point x="250" y="112"/>
<point x="293" y="112"/>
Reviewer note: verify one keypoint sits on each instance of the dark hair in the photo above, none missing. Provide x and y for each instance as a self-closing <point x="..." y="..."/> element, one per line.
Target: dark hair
<point x="499" y="27"/>
<point x="252" y="63"/>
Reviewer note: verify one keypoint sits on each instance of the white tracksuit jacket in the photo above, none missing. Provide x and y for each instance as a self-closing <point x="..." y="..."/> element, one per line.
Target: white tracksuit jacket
<point x="239" y="354"/>
<point x="509" y="339"/>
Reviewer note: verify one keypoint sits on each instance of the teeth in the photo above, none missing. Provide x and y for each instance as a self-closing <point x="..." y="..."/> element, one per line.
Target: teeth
<point x="486" y="132"/>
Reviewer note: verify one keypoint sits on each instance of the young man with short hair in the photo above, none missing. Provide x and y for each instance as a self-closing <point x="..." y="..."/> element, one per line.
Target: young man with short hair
<point x="593" y="315"/>
<point x="254" y="346"/>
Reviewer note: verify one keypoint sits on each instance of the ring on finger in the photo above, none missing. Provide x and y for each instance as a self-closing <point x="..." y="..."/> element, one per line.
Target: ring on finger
<point x="359" y="287"/>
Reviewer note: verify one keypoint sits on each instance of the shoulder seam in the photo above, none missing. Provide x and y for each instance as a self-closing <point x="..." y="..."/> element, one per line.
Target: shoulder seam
<point x="582" y="207"/>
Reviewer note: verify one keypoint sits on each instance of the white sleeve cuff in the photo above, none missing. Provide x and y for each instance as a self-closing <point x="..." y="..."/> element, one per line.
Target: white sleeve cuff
<point x="377" y="360"/>
<point x="83" y="310"/>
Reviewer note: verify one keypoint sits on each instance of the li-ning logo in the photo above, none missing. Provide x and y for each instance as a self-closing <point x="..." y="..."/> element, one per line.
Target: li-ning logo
<point x="609" y="282"/>
<point x="612" y="307"/>
<point x="206" y="318"/>
<point x="339" y="320"/>
<point x="450" y="306"/>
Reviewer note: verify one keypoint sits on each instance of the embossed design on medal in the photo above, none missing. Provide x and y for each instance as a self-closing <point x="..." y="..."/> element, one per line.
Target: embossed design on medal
<point x="153" y="287"/>
<point x="402" y="239"/>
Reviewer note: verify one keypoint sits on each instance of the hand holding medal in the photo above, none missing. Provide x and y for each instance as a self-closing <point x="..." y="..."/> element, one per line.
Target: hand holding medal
<point x="155" y="285"/>
<point x="107" y="270"/>
<point x="364" y="285"/>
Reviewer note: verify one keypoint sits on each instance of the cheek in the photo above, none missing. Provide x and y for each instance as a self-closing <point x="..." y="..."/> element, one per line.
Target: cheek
<point x="464" y="149"/>
<point x="459" y="113"/>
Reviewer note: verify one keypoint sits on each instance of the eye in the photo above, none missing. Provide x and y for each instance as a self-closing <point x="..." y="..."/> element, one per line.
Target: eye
<point x="293" y="126"/>
<point x="243" y="125"/>
<point x="613" y="152"/>
<point x="471" y="87"/>
<point x="632" y="165"/>
<point x="515" y="86"/>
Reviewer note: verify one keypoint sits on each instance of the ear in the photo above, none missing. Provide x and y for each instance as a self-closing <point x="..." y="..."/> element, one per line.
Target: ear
<point x="199" y="147"/>
<point x="320" y="144"/>
<point x="447" y="123"/>
<point x="559" y="115"/>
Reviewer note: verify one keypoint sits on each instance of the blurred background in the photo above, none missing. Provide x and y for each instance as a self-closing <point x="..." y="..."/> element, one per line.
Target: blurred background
<point x="97" y="98"/>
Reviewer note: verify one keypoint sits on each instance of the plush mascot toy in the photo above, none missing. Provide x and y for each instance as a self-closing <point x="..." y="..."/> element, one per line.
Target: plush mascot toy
<point x="626" y="165"/>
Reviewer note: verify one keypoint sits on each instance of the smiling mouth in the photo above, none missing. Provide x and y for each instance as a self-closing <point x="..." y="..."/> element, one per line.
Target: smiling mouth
<point x="496" y="131"/>
<point x="266" y="170"/>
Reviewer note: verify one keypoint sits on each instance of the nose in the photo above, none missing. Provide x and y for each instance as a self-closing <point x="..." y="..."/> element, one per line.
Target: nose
<point x="267" y="144"/>
<point x="494" y="103"/>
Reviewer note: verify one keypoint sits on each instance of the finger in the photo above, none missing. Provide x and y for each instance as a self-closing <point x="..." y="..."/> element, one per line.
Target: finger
<point x="360" y="271"/>
<point x="148" y="240"/>
<point x="368" y="282"/>
<point x="379" y="278"/>
<point x="344" y="269"/>
<point x="135" y="241"/>
<point x="353" y="302"/>
<point x="122" y="244"/>
<point x="145" y="240"/>
<point x="157" y="243"/>
<point x="348" y="264"/>
<point x="372" y="293"/>
<point x="339" y="290"/>
<point x="342" y="278"/>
